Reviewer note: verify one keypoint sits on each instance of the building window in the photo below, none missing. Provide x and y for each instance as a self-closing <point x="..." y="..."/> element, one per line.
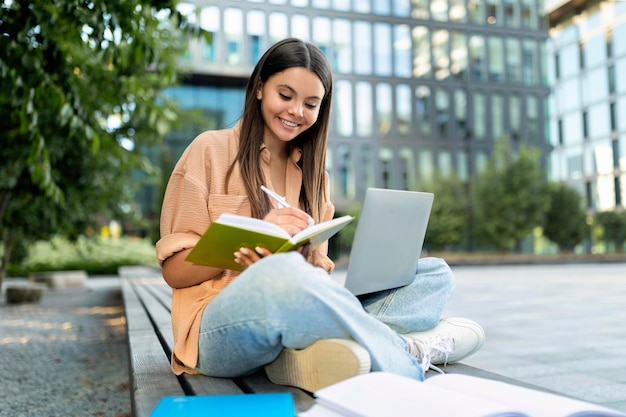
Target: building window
<point x="441" y="54"/>
<point x="423" y="110"/>
<point x="439" y="10"/>
<point x="611" y="81"/>
<point x="532" y="118"/>
<point x="233" y="33"/>
<point x="530" y="61"/>
<point x="300" y="27"/>
<point x="362" y="6"/>
<point x="321" y="35"/>
<point x="513" y="60"/>
<point x="497" y="117"/>
<point x="511" y="14"/>
<point x="210" y="21"/>
<point x="515" y="117"/>
<point x="444" y="163"/>
<point x="476" y="9"/>
<point x="493" y="11"/>
<point x="496" y="60"/>
<point x="620" y="113"/>
<point x="421" y="45"/>
<point x="382" y="49"/>
<point x="256" y="30"/>
<point x="277" y="27"/>
<point x="581" y="55"/>
<point x="368" y="168"/>
<point x="321" y="4"/>
<point x="382" y="7"/>
<point x="341" y="5"/>
<point x="401" y="8"/>
<point x="557" y="66"/>
<point x="460" y="115"/>
<point x="363" y="48"/>
<point x="342" y="46"/>
<point x="346" y="170"/>
<point x="458" y="12"/>
<point x="385" y="156"/>
<point x="477" y="58"/>
<point x="420" y="9"/>
<point x="612" y="116"/>
<point x="407" y="169"/>
<point x="365" y="113"/>
<point x="343" y="108"/>
<point x="458" y="55"/>
<point x="442" y="118"/>
<point x="402" y="51"/>
<point x="480" y="116"/>
<point x="383" y="108"/>
<point x="529" y="14"/>
<point x="403" y="109"/>
<point x="425" y="165"/>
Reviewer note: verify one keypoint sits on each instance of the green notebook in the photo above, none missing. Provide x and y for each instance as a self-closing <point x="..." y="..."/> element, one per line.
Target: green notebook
<point x="231" y="232"/>
<point x="279" y="404"/>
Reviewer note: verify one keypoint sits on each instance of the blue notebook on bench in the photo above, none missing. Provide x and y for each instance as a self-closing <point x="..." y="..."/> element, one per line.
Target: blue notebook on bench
<point x="279" y="404"/>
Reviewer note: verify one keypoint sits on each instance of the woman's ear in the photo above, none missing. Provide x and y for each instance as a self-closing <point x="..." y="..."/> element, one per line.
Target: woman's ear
<point x="259" y="91"/>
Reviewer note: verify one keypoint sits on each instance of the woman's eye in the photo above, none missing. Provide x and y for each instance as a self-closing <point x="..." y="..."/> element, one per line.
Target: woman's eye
<point x="311" y="106"/>
<point x="284" y="96"/>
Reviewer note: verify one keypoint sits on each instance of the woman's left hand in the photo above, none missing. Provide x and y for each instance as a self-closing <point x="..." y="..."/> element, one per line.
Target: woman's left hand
<point x="246" y="256"/>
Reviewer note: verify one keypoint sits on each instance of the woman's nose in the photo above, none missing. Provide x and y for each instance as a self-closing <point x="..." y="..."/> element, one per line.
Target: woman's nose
<point x="296" y="109"/>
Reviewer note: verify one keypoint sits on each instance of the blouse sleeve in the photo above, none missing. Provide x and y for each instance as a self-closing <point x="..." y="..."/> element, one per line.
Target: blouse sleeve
<point x="184" y="216"/>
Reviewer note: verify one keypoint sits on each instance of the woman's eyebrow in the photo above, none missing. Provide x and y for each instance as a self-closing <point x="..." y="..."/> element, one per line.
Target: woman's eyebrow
<point x="296" y="93"/>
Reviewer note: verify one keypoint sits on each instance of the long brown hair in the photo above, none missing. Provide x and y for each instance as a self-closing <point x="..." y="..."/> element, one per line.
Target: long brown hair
<point x="285" y="54"/>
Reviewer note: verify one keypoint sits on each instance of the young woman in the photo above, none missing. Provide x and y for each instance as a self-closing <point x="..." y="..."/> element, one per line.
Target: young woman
<point x="283" y="310"/>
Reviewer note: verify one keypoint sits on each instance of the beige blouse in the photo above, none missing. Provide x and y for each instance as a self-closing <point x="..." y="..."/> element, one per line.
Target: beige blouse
<point x="195" y="196"/>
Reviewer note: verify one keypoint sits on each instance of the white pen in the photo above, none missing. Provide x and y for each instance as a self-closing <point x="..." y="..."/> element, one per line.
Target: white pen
<point x="282" y="203"/>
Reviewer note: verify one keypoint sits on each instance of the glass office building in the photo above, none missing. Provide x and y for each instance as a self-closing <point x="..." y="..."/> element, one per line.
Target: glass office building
<point x="421" y="86"/>
<point x="587" y="68"/>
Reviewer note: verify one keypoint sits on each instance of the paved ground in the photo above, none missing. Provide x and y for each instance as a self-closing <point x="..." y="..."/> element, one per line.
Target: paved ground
<point x="65" y="356"/>
<point x="560" y="327"/>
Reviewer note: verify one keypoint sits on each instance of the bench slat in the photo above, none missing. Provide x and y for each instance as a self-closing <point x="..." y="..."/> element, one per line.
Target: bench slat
<point x="150" y="375"/>
<point x="258" y="382"/>
<point x="157" y="300"/>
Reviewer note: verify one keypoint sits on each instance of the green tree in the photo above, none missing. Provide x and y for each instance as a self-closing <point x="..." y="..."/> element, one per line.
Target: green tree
<point x="80" y="93"/>
<point x="448" y="215"/>
<point x="511" y="197"/>
<point x="613" y="228"/>
<point x="566" y="220"/>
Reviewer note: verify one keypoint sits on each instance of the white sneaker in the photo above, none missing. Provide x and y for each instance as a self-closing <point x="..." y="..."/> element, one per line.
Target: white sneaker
<point x="324" y="363"/>
<point x="453" y="339"/>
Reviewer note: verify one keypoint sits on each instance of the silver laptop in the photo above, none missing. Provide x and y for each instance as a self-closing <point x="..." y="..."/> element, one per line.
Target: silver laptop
<point x="388" y="240"/>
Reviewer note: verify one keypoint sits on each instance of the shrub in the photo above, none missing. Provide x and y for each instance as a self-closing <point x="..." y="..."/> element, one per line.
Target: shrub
<point x="97" y="256"/>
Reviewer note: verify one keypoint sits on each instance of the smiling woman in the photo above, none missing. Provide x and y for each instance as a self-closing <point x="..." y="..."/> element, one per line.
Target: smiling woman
<point x="283" y="312"/>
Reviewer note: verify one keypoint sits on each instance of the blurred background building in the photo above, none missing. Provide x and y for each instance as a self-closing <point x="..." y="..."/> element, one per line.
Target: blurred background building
<point x="587" y="71"/>
<point x="422" y="87"/>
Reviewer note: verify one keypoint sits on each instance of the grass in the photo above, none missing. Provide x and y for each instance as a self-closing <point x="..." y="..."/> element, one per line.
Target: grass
<point x="96" y="256"/>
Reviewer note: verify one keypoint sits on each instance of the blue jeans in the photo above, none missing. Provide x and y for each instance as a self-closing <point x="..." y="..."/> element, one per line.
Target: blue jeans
<point x="284" y="302"/>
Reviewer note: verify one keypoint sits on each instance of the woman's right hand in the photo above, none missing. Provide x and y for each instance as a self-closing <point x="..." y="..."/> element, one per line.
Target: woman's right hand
<point x="291" y="219"/>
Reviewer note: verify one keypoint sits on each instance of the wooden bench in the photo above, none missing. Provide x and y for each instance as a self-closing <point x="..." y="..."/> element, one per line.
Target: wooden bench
<point x="147" y="300"/>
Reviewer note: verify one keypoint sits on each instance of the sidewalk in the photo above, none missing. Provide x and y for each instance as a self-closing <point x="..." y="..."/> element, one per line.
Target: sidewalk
<point x="67" y="355"/>
<point x="562" y="327"/>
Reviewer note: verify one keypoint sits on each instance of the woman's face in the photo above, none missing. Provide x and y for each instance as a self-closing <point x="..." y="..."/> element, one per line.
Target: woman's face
<point x="290" y="103"/>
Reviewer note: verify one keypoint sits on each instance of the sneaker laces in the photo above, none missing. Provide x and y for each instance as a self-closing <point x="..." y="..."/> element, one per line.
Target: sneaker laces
<point x="428" y="351"/>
